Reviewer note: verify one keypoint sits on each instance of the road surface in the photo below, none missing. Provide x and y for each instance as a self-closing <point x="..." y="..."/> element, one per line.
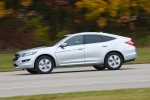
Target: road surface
<point x="74" y="79"/>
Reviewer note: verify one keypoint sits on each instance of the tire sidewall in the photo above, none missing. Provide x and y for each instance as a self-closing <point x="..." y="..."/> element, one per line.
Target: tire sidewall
<point x="99" y="67"/>
<point x="106" y="61"/>
<point x="32" y="71"/>
<point x="37" y="64"/>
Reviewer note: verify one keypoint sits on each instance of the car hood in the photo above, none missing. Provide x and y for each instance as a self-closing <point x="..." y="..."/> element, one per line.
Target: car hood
<point x="32" y="49"/>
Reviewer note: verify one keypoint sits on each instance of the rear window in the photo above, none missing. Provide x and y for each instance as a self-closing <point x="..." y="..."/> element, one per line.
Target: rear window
<point x="107" y="38"/>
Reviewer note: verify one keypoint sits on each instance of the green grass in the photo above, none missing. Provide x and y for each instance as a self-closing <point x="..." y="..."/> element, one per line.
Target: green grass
<point x="143" y="56"/>
<point x="6" y="62"/>
<point x="6" y="59"/>
<point x="121" y="94"/>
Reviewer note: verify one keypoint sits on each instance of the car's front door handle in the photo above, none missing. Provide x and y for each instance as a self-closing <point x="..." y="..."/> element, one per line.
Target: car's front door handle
<point x="80" y="49"/>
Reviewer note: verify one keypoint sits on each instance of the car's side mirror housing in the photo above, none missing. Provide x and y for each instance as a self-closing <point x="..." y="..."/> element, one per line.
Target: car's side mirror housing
<point x="63" y="45"/>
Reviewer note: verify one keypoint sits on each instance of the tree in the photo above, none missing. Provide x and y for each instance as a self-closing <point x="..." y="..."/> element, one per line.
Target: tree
<point x="25" y="2"/>
<point x="4" y="12"/>
<point x="104" y="10"/>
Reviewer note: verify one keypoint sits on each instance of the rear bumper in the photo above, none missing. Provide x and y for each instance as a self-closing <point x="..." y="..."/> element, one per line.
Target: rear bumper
<point x="130" y="54"/>
<point x="130" y="60"/>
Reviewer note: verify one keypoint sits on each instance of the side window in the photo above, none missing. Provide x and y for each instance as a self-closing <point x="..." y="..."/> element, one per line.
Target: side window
<point x="107" y="38"/>
<point x="92" y="39"/>
<point x="76" y="40"/>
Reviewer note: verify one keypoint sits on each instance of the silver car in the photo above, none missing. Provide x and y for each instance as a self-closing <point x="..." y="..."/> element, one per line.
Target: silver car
<point x="101" y="50"/>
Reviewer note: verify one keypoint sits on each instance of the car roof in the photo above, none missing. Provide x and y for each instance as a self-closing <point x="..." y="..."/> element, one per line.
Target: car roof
<point x="98" y="33"/>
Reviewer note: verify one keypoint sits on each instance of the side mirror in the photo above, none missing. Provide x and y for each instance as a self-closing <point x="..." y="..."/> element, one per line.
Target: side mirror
<point x="63" y="45"/>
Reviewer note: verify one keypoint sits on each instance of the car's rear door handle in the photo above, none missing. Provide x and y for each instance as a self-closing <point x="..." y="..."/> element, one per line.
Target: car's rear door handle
<point x="104" y="46"/>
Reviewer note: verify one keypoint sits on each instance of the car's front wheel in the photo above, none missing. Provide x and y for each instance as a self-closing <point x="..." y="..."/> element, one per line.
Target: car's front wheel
<point x="113" y="61"/>
<point x="99" y="67"/>
<point x="44" y="64"/>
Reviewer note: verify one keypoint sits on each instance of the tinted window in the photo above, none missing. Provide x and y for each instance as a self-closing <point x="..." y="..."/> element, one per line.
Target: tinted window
<point x="76" y="40"/>
<point x="107" y="38"/>
<point x="92" y="39"/>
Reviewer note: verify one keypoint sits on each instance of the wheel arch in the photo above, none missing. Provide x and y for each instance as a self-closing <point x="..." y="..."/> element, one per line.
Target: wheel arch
<point x="115" y="52"/>
<point x="48" y="56"/>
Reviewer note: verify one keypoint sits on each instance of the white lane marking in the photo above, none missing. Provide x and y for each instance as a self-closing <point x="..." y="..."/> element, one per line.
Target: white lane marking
<point x="71" y="84"/>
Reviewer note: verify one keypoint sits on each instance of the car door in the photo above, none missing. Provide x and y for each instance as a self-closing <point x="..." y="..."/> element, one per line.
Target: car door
<point x="95" y="49"/>
<point x="72" y="53"/>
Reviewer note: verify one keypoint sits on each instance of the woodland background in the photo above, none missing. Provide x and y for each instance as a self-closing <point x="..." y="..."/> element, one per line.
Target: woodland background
<point x="31" y="23"/>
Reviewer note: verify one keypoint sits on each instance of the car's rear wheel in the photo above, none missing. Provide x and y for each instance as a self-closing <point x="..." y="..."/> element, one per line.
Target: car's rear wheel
<point x="32" y="71"/>
<point x="99" y="67"/>
<point x="44" y="64"/>
<point x="113" y="61"/>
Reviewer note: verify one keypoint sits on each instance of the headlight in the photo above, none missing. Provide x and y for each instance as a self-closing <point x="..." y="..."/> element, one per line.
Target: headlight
<point x="27" y="54"/>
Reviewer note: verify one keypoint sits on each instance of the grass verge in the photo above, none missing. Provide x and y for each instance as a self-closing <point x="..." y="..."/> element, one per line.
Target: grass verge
<point x="121" y="94"/>
<point x="142" y="56"/>
<point x="6" y="62"/>
<point x="6" y="59"/>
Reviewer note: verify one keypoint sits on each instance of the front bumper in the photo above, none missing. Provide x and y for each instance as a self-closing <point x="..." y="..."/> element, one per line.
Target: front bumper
<point x="24" y="62"/>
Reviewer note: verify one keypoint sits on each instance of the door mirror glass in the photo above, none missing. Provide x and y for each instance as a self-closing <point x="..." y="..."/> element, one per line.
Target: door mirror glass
<point x="63" y="45"/>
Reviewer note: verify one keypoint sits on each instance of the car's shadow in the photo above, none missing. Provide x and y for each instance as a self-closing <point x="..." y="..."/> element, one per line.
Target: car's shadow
<point x="58" y="72"/>
<point x="79" y="71"/>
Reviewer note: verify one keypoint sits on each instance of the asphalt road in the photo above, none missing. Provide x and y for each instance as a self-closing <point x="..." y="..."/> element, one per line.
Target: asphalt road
<point x="74" y="79"/>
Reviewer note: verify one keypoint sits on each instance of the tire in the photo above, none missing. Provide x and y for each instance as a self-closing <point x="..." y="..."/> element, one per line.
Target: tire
<point x="99" y="67"/>
<point x="32" y="71"/>
<point x="113" y="61"/>
<point x="44" y="65"/>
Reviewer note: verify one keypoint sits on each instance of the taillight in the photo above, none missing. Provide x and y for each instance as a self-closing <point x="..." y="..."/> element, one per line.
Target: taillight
<point x="130" y="43"/>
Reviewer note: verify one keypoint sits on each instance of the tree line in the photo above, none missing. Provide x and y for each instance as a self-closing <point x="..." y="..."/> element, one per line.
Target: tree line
<point x="31" y="23"/>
